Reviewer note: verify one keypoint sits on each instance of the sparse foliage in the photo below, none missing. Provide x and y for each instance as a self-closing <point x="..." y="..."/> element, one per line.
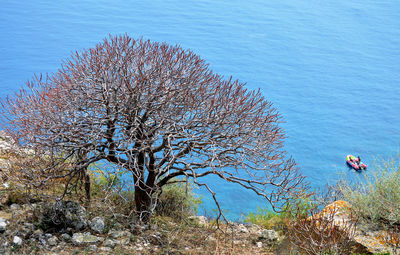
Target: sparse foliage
<point x="154" y="110"/>
<point x="378" y="197"/>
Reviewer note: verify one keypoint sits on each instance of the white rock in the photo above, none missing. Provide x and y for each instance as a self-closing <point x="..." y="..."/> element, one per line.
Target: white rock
<point x="15" y="207"/>
<point x="201" y="220"/>
<point x="110" y="243"/>
<point x="17" y="240"/>
<point x="93" y="247"/>
<point x="52" y="241"/>
<point x="3" y="226"/>
<point x="105" y="249"/>
<point x="259" y="244"/>
<point x="84" y="239"/>
<point x="97" y="225"/>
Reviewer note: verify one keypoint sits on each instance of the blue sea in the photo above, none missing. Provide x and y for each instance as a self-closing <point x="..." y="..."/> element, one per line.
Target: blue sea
<point x="332" y="68"/>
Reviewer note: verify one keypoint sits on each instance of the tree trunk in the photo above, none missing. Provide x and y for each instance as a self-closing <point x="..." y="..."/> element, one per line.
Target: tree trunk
<point x="143" y="204"/>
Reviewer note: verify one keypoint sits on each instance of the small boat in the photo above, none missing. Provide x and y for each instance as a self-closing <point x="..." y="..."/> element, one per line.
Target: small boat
<point x="353" y="163"/>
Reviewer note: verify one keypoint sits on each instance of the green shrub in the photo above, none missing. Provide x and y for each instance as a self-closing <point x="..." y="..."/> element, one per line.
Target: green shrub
<point x="378" y="198"/>
<point x="178" y="201"/>
<point x="267" y="218"/>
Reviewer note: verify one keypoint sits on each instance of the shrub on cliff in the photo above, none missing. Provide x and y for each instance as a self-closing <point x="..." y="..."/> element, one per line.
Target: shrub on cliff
<point x="377" y="198"/>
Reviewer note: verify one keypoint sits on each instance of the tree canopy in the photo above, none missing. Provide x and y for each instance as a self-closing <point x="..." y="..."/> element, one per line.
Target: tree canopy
<point x="157" y="111"/>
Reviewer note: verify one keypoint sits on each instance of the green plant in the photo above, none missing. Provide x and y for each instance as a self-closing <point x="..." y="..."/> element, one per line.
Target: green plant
<point x="377" y="198"/>
<point x="178" y="200"/>
<point x="268" y="218"/>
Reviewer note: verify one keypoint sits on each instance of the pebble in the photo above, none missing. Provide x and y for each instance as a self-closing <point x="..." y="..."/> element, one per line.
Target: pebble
<point x="52" y="241"/>
<point x="3" y="226"/>
<point x="17" y="240"/>
<point x="15" y="207"/>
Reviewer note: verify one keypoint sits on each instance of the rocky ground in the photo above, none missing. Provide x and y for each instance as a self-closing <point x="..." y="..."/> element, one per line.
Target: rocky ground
<point x="22" y="232"/>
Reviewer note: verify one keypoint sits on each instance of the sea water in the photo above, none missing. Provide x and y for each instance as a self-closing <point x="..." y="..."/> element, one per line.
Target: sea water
<point x="332" y="68"/>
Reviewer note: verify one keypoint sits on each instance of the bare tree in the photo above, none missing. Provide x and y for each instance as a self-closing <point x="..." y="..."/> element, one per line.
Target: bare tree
<point x="155" y="110"/>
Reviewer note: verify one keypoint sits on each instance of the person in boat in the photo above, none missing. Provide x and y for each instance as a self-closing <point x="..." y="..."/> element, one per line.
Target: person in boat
<point x="359" y="162"/>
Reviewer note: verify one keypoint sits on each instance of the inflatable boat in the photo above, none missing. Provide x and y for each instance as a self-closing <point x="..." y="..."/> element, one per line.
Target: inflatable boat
<point x="353" y="163"/>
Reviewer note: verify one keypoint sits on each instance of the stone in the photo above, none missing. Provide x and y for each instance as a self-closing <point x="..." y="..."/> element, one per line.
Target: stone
<point x="105" y="249"/>
<point x="118" y="233"/>
<point x="17" y="241"/>
<point x="37" y="233"/>
<point x="243" y="229"/>
<point x="84" y="239"/>
<point x="15" y="207"/>
<point x="110" y="243"/>
<point x="52" y="241"/>
<point x="63" y="214"/>
<point x="125" y="241"/>
<point x="269" y="235"/>
<point x="259" y="244"/>
<point x="3" y="226"/>
<point x="201" y="220"/>
<point x="97" y="225"/>
<point x="65" y="237"/>
<point x="25" y="232"/>
<point x="93" y="247"/>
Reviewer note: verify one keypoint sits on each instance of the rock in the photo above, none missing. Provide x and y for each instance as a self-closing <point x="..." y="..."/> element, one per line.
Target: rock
<point x="243" y="229"/>
<point x="118" y="233"/>
<point x="370" y="237"/>
<point x="259" y="244"/>
<point x="110" y="243"/>
<point x="65" y="237"/>
<point x="25" y="232"/>
<point x="125" y="241"/>
<point x="97" y="225"/>
<point x="37" y="233"/>
<point x="52" y="241"/>
<point x="269" y="235"/>
<point x="15" y="207"/>
<point x="201" y="220"/>
<point x="3" y="226"/>
<point x="5" y="244"/>
<point x="84" y="239"/>
<point x="93" y="247"/>
<point x="63" y="214"/>
<point x="17" y="240"/>
<point x="105" y="249"/>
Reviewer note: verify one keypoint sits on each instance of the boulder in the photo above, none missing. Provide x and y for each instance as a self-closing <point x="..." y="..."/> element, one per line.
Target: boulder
<point x="110" y="243"/>
<point x="64" y="214"/>
<point x="268" y="235"/>
<point x="119" y="233"/>
<point x="201" y="220"/>
<point x="82" y="239"/>
<point x="52" y="241"/>
<point x="65" y="237"/>
<point x="97" y="225"/>
<point x="370" y="237"/>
